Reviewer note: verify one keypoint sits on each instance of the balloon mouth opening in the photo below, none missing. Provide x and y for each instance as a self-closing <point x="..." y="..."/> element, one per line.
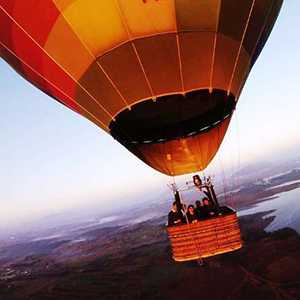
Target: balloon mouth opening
<point x="172" y="117"/>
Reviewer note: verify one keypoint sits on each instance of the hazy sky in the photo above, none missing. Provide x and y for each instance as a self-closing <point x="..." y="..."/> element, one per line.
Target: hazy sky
<point x="53" y="159"/>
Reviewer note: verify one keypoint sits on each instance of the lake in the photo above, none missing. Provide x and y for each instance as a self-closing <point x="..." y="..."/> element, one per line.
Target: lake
<point x="286" y="209"/>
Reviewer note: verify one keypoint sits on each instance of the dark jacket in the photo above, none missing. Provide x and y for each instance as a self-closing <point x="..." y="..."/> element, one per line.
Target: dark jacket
<point x="191" y="217"/>
<point x="174" y="217"/>
<point x="204" y="212"/>
<point x="199" y="213"/>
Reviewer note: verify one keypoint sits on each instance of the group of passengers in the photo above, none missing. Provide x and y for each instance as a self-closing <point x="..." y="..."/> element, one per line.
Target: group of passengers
<point x="191" y="214"/>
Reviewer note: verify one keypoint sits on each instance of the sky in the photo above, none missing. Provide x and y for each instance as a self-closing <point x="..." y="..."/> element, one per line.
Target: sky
<point x="52" y="159"/>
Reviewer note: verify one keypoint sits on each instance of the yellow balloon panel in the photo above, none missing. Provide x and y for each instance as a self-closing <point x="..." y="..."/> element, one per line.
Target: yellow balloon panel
<point x="148" y="17"/>
<point x="97" y="23"/>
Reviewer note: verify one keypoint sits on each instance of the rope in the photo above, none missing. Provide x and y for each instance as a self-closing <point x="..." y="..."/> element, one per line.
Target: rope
<point x="194" y="239"/>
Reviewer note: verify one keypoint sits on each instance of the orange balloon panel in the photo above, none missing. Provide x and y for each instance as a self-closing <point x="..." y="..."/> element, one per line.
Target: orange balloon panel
<point x="184" y="155"/>
<point x="155" y="74"/>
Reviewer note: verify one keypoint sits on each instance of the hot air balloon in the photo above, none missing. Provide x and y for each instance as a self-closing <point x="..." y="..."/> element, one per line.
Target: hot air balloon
<point x="161" y="76"/>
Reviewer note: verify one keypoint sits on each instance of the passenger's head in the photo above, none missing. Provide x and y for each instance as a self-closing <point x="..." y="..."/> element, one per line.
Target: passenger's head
<point x="174" y="206"/>
<point x="197" y="180"/>
<point x="198" y="203"/>
<point x="191" y="209"/>
<point x="205" y="201"/>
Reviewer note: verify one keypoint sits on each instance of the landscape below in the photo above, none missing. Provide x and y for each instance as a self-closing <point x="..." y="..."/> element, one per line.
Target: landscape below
<point x="134" y="261"/>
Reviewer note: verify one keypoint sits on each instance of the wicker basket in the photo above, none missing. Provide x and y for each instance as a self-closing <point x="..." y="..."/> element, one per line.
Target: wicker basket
<point x="205" y="238"/>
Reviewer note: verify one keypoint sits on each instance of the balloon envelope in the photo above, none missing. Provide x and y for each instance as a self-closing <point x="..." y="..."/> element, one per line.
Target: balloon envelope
<point x="161" y="76"/>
